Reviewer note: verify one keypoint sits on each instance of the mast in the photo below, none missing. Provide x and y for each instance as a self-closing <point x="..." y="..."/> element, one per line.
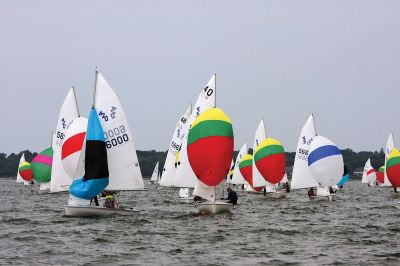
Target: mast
<point x="95" y="84"/>
<point x="76" y="102"/>
<point x="215" y="86"/>
<point x="51" y="139"/>
<point x="265" y="130"/>
<point x="312" y="114"/>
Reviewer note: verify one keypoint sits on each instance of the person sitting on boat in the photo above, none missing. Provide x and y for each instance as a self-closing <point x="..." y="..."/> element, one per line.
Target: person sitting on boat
<point x="232" y="196"/>
<point x="311" y="192"/>
<point x="110" y="202"/>
<point x="198" y="199"/>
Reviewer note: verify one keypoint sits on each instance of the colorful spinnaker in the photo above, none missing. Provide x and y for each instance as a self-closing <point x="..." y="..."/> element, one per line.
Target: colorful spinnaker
<point x="380" y="175"/>
<point x="185" y="176"/>
<point x="96" y="176"/>
<point x="246" y="169"/>
<point x="210" y="150"/>
<point x="25" y="171"/>
<point x="393" y="167"/>
<point x="325" y="162"/>
<point x="41" y="166"/>
<point x="270" y="160"/>
<point x="73" y="143"/>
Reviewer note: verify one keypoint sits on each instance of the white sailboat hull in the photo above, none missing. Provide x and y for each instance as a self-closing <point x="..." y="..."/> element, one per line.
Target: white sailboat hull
<point x="90" y="211"/>
<point x="214" y="208"/>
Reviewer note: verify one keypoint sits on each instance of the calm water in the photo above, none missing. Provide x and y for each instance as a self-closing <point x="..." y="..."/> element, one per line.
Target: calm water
<point x="362" y="227"/>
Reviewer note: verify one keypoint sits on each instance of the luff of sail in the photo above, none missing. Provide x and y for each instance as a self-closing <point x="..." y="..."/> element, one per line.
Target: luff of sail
<point x="168" y="173"/>
<point x="60" y="179"/>
<point x="185" y="176"/>
<point x="96" y="177"/>
<point x="123" y="162"/>
<point x="301" y="177"/>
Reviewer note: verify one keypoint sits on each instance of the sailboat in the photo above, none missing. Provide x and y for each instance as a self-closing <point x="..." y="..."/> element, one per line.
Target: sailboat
<point x="301" y="176"/>
<point x="325" y="162"/>
<point x="393" y="168"/>
<point x="24" y="173"/>
<point x="169" y="170"/>
<point x="210" y="151"/>
<point x="154" y="176"/>
<point x="42" y="166"/>
<point x="389" y="147"/>
<point x="369" y="175"/>
<point x="123" y="163"/>
<point x="229" y="175"/>
<point x="185" y="178"/>
<point x="60" y="180"/>
<point x="109" y="161"/>
<point x="269" y="158"/>
<point x="237" y="177"/>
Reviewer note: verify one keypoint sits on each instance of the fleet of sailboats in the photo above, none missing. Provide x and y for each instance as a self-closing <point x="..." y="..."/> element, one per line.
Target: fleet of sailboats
<point x="95" y="155"/>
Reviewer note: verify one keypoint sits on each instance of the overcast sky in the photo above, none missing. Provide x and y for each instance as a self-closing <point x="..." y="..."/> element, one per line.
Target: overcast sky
<point x="277" y="60"/>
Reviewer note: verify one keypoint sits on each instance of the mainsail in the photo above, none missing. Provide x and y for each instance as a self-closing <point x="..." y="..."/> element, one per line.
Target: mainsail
<point x="123" y="163"/>
<point x="389" y="147"/>
<point x="301" y="177"/>
<point x="60" y="179"/>
<point x="168" y="173"/>
<point x="258" y="179"/>
<point x="237" y="178"/>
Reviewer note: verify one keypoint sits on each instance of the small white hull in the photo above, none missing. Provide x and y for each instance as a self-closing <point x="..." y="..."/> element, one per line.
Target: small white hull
<point x="214" y="208"/>
<point x="90" y="211"/>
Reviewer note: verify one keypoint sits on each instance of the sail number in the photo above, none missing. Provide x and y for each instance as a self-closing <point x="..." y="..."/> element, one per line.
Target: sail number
<point x="115" y="137"/>
<point x="303" y="154"/>
<point x="60" y="138"/>
<point x="208" y="91"/>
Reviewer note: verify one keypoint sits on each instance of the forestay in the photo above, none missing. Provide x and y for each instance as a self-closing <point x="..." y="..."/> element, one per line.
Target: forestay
<point x="123" y="163"/>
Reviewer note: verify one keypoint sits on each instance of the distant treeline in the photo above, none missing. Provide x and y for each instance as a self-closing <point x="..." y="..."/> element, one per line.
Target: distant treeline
<point x="148" y="159"/>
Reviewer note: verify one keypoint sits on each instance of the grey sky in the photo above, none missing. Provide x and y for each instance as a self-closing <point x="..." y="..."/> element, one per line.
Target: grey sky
<point x="280" y="60"/>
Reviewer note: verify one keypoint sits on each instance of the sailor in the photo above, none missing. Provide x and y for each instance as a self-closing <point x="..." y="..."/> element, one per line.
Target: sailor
<point x="232" y="196"/>
<point x="110" y="199"/>
<point x="311" y="192"/>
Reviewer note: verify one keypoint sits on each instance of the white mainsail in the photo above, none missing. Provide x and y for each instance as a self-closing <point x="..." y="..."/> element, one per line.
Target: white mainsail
<point x="123" y="164"/>
<point x="237" y="178"/>
<point x="60" y="180"/>
<point x="154" y="176"/>
<point x="258" y="179"/>
<point x="367" y="167"/>
<point x="185" y="176"/>
<point x="389" y="147"/>
<point x="301" y="177"/>
<point x="168" y="173"/>
<point x="230" y="172"/>
<point x="21" y="161"/>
